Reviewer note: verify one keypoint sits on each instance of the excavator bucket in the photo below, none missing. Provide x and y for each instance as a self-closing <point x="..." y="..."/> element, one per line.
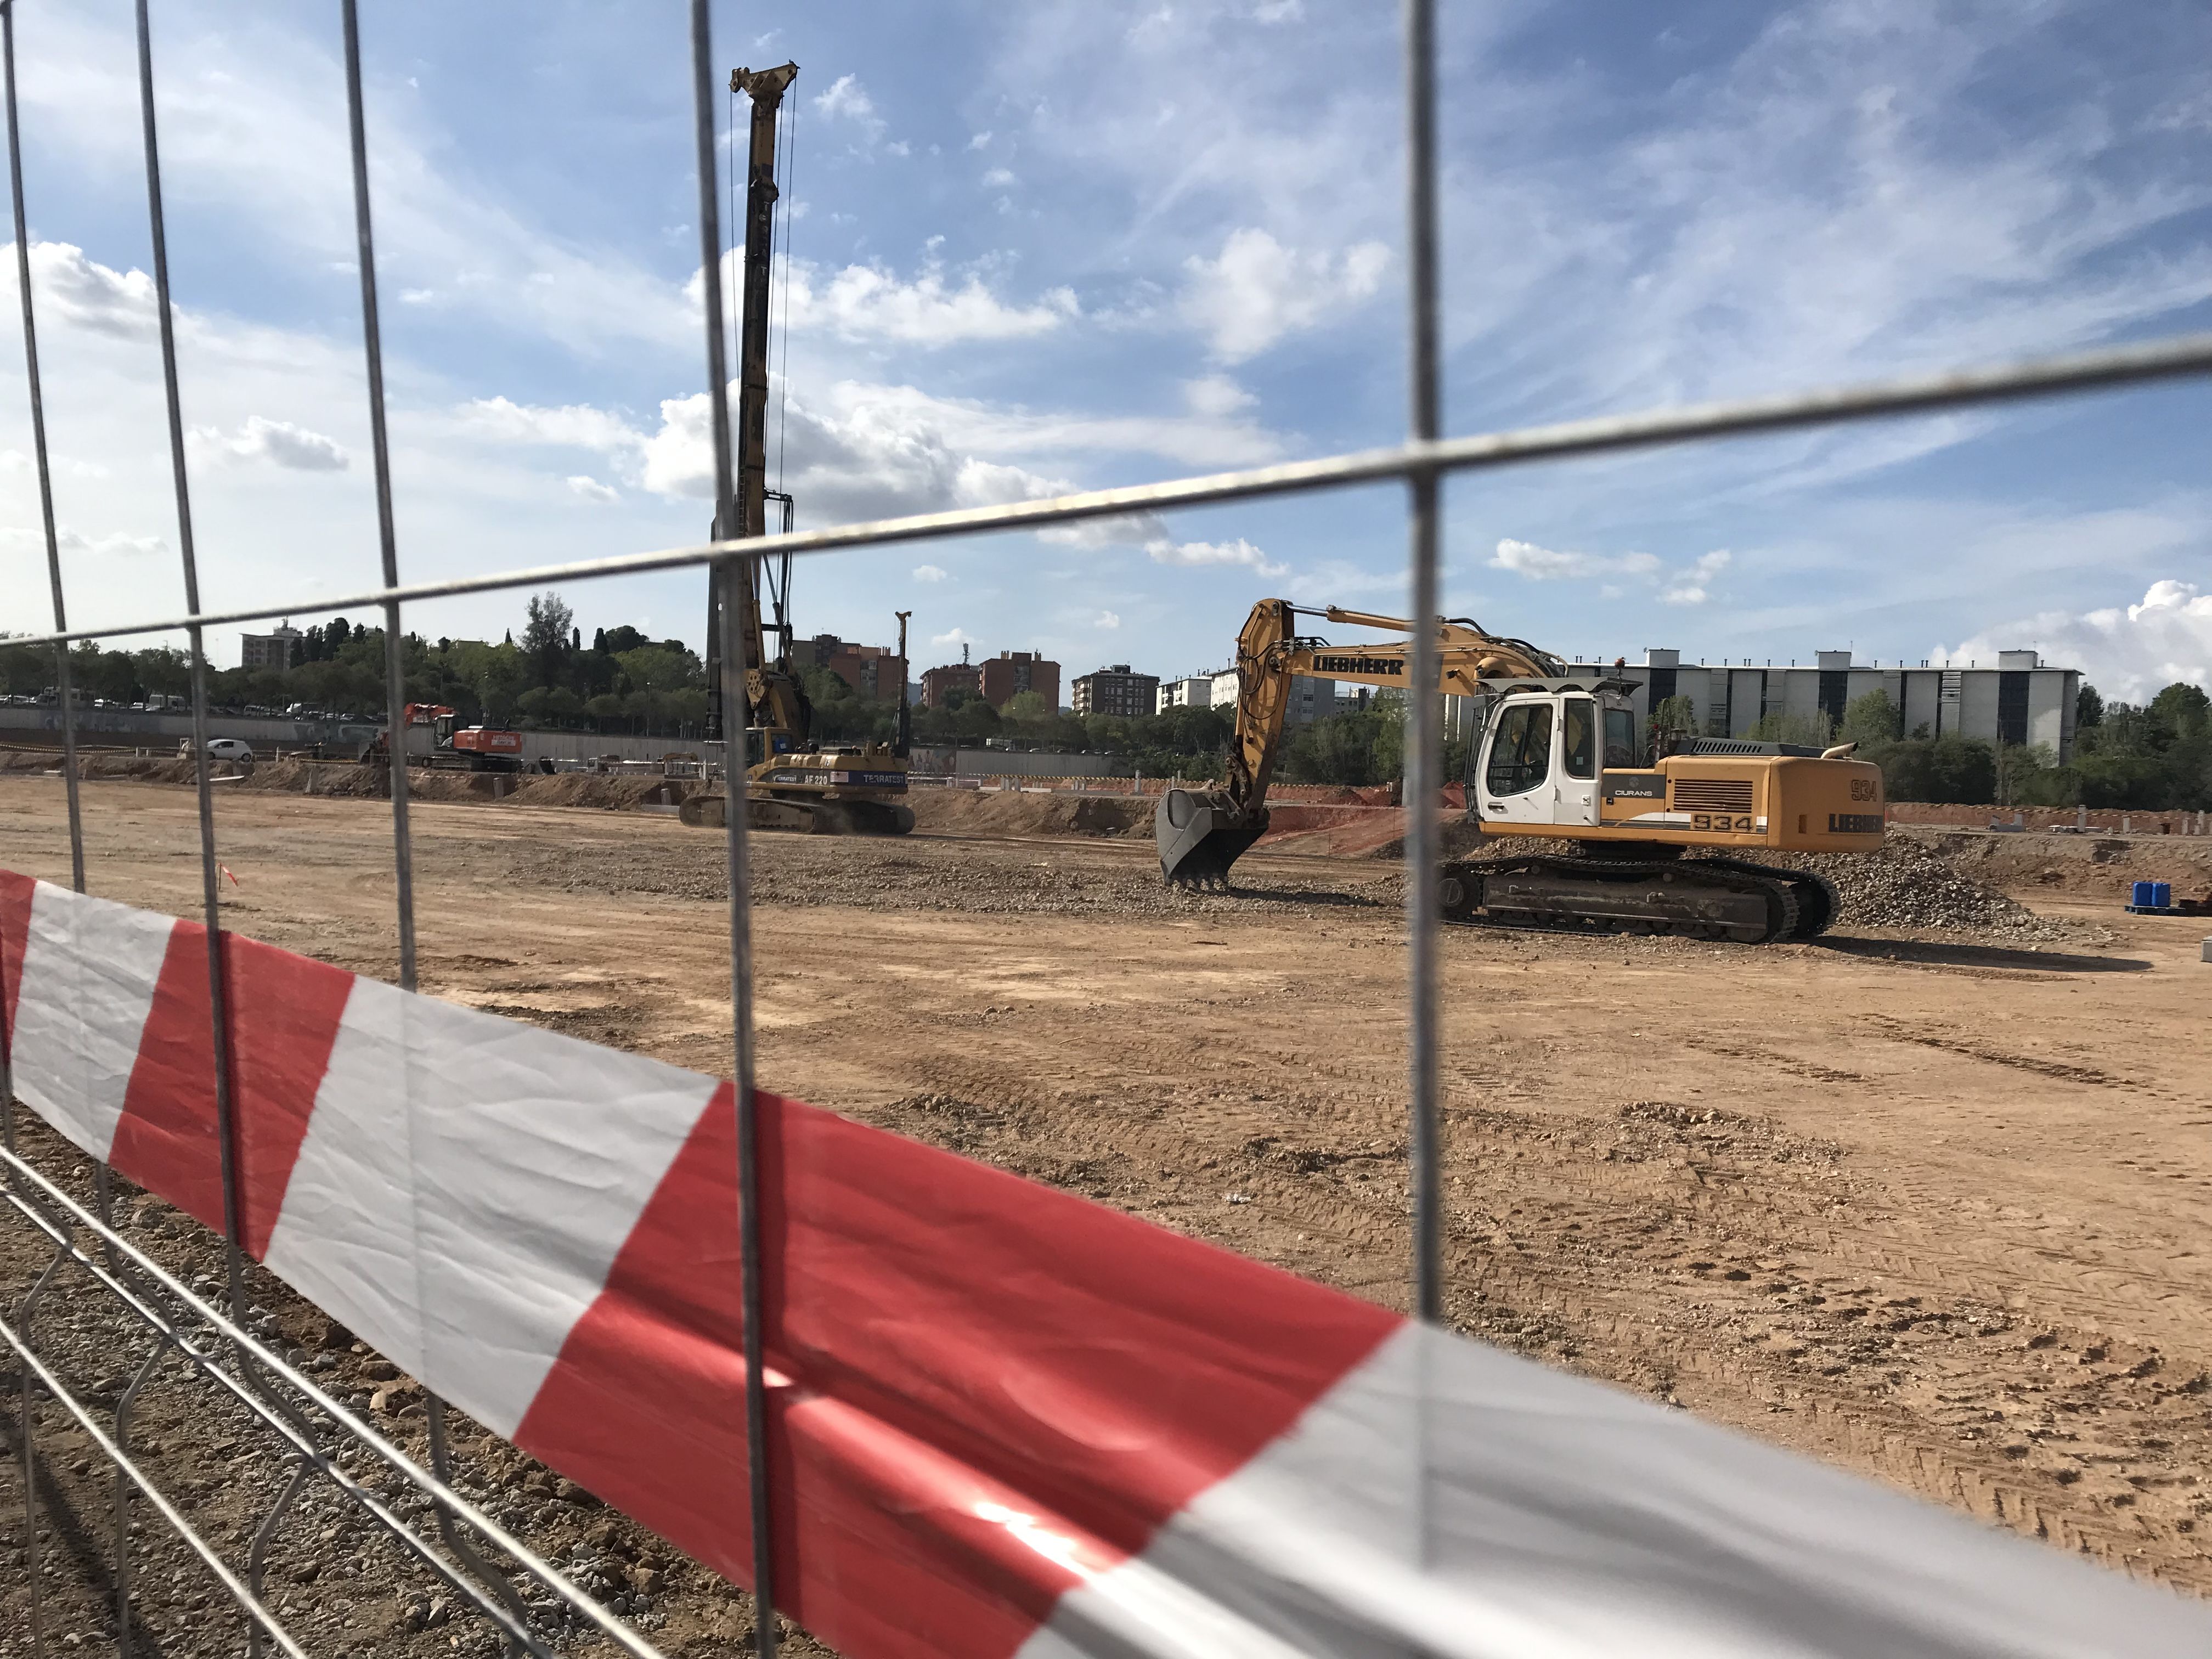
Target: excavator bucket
<point x="1199" y="834"/>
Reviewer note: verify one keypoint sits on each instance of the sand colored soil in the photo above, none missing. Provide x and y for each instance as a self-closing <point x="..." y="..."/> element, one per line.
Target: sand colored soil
<point x="1924" y="1205"/>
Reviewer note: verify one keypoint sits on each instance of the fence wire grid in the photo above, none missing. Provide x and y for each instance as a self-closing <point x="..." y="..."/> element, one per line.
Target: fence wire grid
<point x="229" y="1343"/>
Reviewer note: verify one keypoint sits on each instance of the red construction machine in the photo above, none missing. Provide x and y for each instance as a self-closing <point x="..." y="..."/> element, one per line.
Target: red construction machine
<point x="472" y="748"/>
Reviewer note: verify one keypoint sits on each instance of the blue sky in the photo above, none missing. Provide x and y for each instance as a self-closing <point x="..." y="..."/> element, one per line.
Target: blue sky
<point x="1073" y="245"/>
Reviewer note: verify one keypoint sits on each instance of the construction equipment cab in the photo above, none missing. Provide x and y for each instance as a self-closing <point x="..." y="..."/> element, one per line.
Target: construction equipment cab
<point x="1555" y="758"/>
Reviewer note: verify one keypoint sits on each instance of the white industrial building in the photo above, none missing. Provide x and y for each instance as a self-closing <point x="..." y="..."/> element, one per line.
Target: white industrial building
<point x="1191" y="692"/>
<point x="2015" y="700"/>
<point x="1310" y="699"/>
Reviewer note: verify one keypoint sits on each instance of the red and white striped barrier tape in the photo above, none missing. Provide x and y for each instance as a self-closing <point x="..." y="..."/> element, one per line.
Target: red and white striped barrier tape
<point x="1003" y="1421"/>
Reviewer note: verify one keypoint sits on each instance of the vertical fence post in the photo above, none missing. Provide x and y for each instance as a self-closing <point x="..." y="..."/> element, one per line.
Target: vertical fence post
<point x="395" y="703"/>
<point x="61" y="686"/>
<point x="65" y="692"/>
<point x="1424" y="781"/>
<point x="210" y="876"/>
<point x="734" y="719"/>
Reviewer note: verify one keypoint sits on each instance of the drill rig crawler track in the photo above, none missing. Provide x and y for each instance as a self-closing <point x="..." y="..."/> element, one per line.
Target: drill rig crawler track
<point x="1556" y="757"/>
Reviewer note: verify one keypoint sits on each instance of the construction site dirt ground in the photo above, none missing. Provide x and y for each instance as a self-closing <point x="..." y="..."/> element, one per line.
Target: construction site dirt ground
<point x="1930" y="1207"/>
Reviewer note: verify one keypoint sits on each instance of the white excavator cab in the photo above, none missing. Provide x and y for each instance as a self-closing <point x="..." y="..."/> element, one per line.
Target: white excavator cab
<point x="1540" y="751"/>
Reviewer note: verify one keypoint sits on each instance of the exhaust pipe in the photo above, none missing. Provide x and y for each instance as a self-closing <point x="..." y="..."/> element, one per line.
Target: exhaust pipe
<point x="1201" y="833"/>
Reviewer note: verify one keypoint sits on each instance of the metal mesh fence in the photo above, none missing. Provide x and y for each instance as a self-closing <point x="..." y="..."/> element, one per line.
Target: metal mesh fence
<point x="320" y="1450"/>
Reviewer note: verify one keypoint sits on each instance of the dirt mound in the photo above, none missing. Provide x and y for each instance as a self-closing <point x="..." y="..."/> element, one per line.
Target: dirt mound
<point x="1021" y="812"/>
<point x="2089" y="865"/>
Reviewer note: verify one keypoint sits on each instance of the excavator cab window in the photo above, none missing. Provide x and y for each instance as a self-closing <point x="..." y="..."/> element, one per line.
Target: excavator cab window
<point x="1621" y="739"/>
<point x="1578" y="738"/>
<point x="1521" y="753"/>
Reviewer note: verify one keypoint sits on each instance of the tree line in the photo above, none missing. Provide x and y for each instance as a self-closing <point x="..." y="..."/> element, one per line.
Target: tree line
<point x="2154" y="756"/>
<point x="622" y="681"/>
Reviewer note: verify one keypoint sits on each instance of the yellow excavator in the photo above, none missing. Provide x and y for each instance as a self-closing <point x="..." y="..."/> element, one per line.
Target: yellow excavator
<point x="1556" y="757"/>
<point x="791" y="783"/>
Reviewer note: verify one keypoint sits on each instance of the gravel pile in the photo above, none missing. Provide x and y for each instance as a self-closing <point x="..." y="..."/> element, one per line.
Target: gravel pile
<point x="1909" y="884"/>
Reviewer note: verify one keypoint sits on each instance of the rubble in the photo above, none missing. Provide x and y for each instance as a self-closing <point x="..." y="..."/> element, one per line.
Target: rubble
<point x="1908" y="884"/>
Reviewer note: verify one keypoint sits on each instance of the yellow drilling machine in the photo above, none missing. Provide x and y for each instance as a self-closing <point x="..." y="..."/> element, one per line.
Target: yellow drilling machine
<point x="791" y="782"/>
<point x="1555" y="756"/>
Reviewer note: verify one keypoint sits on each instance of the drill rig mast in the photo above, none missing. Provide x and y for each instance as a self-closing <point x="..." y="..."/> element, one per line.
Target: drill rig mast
<point x="791" y="783"/>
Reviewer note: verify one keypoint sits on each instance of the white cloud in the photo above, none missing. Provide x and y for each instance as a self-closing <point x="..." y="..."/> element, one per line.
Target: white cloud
<point x="280" y="443"/>
<point x="83" y="292"/>
<point x="1240" y="551"/>
<point x="1256" y="290"/>
<point x="998" y="179"/>
<point x="845" y="99"/>
<point x="1279" y="11"/>
<point x="1545" y="564"/>
<point x="1693" y="585"/>
<point x="115" y="542"/>
<point x="859" y="451"/>
<point x="981" y="141"/>
<point x="1108" y="619"/>
<point x="931" y="572"/>
<point x="2128" y="653"/>
<point x="576" y="425"/>
<point x="872" y="303"/>
<point x="956" y="636"/>
<point x="1217" y="396"/>
<point x="1690" y="583"/>
<point x="869" y="302"/>
<point x="592" y="490"/>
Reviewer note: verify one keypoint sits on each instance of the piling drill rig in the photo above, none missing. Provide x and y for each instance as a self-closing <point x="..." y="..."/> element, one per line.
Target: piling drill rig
<point x="791" y="783"/>
<point x="1556" y="757"/>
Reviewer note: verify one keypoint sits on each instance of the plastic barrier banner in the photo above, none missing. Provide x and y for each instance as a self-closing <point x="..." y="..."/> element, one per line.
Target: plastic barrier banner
<point x="1003" y="1420"/>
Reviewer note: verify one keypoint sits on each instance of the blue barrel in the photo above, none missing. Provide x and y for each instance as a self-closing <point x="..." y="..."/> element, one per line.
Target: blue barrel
<point x="2161" y="896"/>
<point x="2142" y="893"/>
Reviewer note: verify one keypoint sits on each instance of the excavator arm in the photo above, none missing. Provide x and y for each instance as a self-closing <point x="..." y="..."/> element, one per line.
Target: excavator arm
<point x="1201" y="833"/>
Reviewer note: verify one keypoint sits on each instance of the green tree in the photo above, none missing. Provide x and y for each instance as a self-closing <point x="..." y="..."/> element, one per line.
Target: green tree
<point x="2181" y="712"/>
<point x="545" y="635"/>
<point x="660" y="668"/>
<point x="1870" y="720"/>
<point x="1675" y="716"/>
<point x="1811" y="730"/>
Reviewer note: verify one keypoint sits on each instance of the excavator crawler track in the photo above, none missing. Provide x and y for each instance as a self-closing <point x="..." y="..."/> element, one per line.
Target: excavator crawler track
<point x="1693" y="898"/>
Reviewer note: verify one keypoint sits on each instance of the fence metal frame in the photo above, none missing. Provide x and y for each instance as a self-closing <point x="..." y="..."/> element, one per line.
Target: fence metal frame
<point x="285" y="1399"/>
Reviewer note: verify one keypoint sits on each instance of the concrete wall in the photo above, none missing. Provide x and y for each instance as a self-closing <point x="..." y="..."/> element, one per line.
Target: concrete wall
<point x="944" y="762"/>
<point x="111" y="728"/>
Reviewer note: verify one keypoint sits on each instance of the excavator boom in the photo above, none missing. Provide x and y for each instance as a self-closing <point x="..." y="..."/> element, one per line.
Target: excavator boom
<point x="1200" y="834"/>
